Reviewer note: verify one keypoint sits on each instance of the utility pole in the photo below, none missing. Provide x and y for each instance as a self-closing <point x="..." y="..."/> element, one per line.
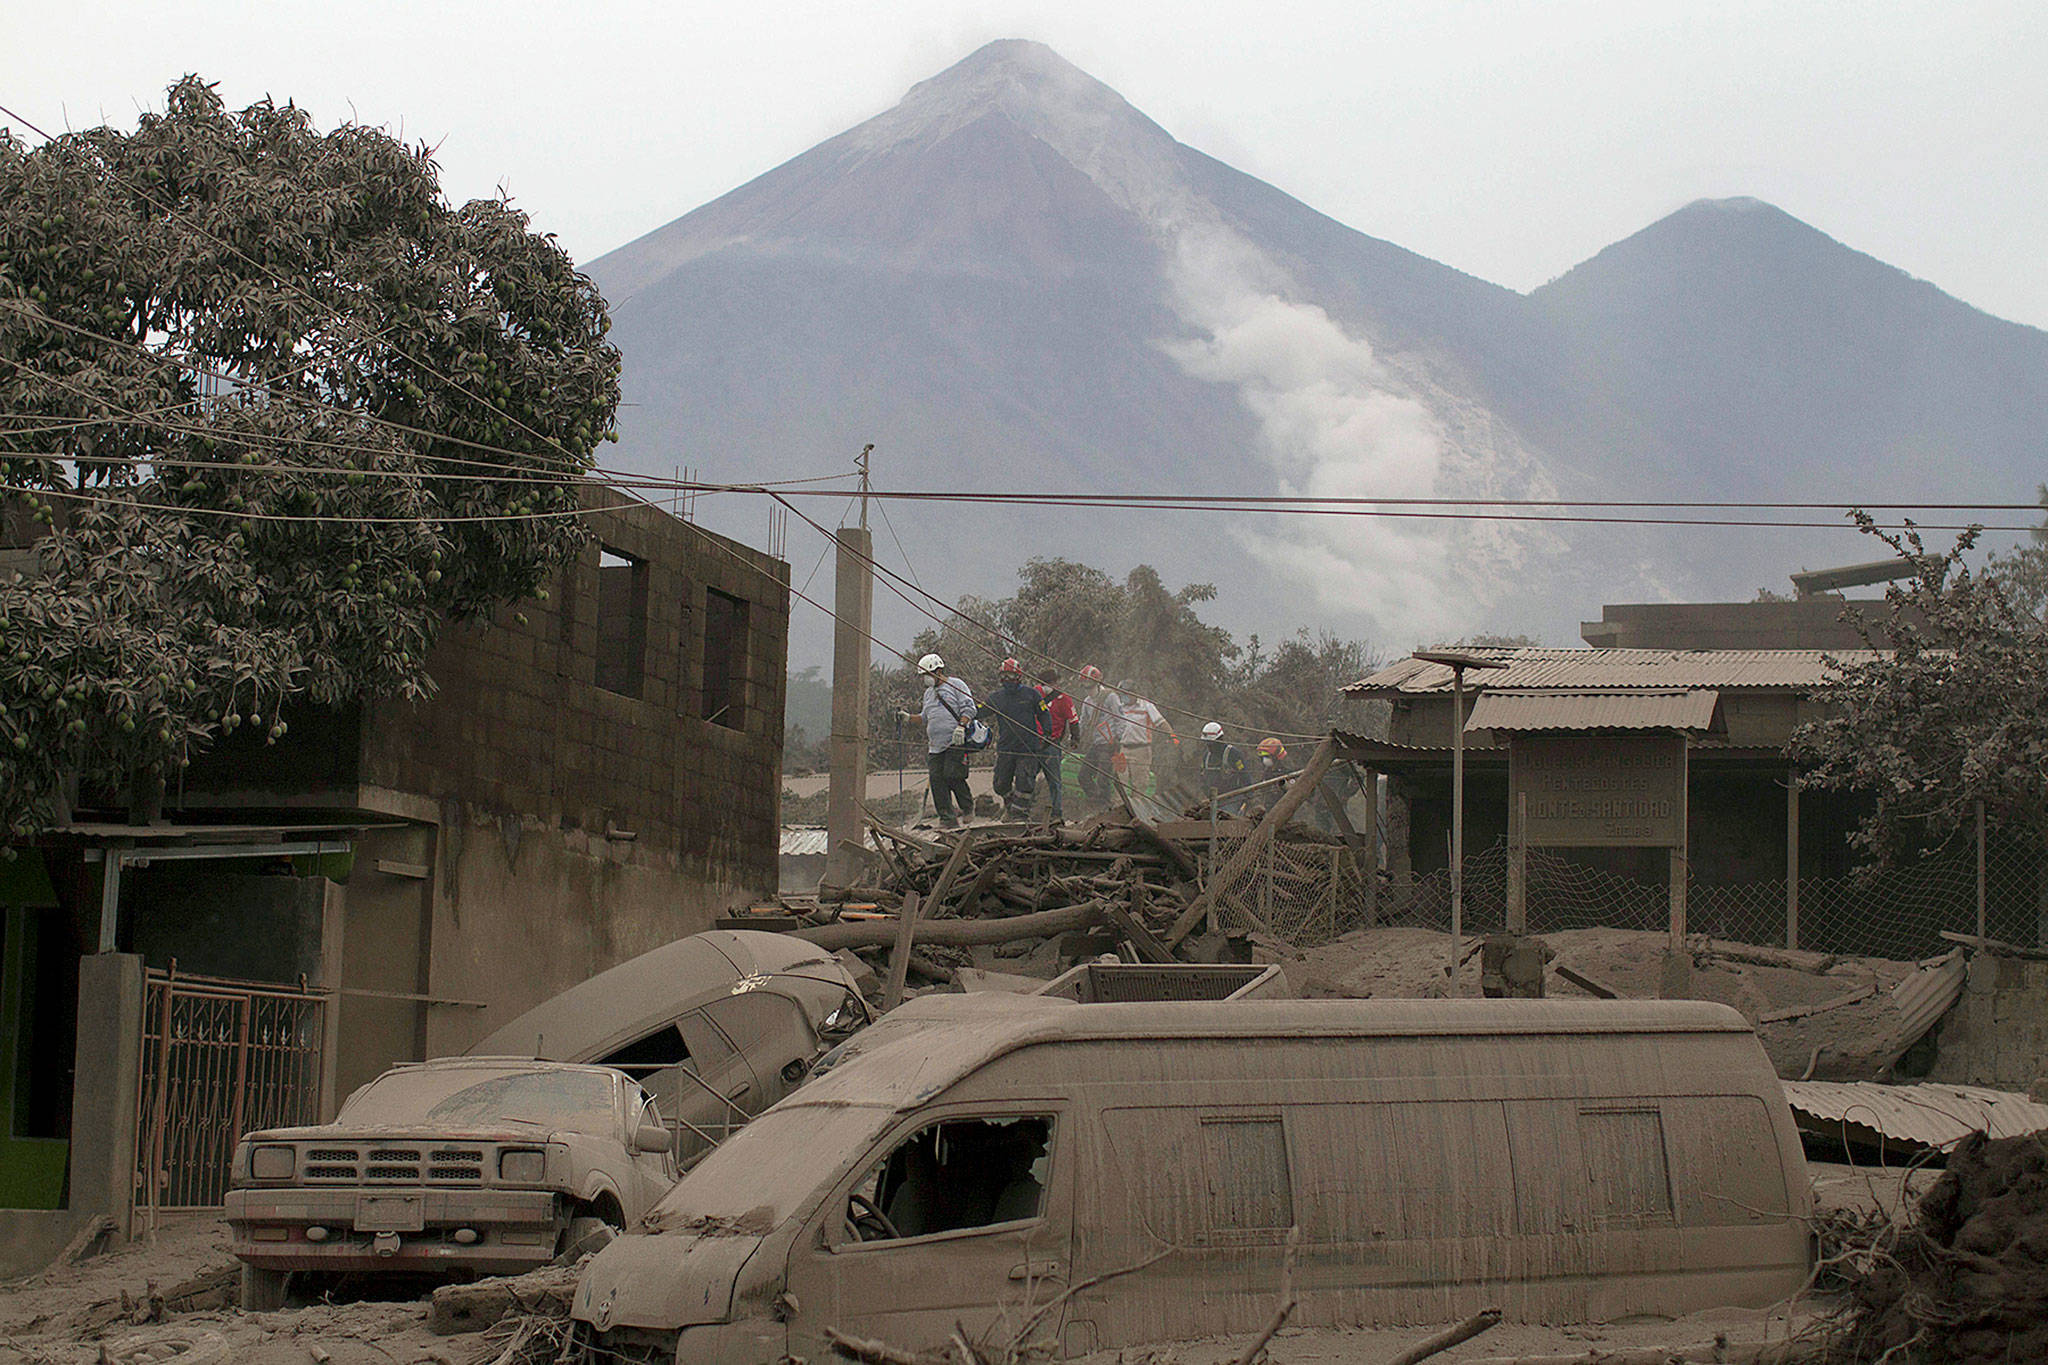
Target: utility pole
<point x="1457" y="662"/>
<point x="853" y="607"/>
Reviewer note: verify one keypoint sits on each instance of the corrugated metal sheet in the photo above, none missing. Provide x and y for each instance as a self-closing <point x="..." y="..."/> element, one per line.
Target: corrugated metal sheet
<point x="806" y="841"/>
<point x="1929" y="1115"/>
<point x="1617" y="668"/>
<point x="1923" y="997"/>
<point x="1675" y="710"/>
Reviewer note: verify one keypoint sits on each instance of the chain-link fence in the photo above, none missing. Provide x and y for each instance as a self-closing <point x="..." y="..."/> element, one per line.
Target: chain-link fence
<point x="1306" y="890"/>
<point x="1310" y="888"/>
<point x="1896" y="912"/>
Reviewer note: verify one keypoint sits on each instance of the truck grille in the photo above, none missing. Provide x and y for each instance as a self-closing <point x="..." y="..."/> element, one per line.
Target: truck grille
<point x="394" y="1165"/>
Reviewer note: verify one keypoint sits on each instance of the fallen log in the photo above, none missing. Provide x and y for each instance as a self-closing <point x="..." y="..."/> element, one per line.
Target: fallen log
<point x="1821" y="1007"/>
<point x="1483" y="1321"/>
<point x="899" y="959"/>
<point x="1787" y="959"/>
<point x="1718" y="1352"/>
<point x="1996" y="947"/>
<point x="459" y="1308"/>
<point x="1586" y="983"/>
<point x="955" y="933"/>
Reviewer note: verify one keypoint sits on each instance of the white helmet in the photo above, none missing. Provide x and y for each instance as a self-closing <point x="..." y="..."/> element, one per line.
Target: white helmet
<point x="1213" y="730"/>
<point x="931" y="663"/>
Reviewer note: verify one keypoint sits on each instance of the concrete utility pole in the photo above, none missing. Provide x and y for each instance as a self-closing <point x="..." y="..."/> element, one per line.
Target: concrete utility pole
<point x="853" y="606"/>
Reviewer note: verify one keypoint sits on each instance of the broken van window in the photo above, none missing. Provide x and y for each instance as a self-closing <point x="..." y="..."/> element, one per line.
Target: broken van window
<point x="957" y="1173"/>
<point x="536" y="1099"/>
<point x="657" y="1051"/>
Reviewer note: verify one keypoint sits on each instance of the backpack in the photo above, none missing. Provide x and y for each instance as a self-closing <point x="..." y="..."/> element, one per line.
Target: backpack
<point x="967" y="734"/>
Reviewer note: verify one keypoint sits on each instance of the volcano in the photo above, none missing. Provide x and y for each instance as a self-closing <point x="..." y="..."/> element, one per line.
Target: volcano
<point x="1013" y="280"/>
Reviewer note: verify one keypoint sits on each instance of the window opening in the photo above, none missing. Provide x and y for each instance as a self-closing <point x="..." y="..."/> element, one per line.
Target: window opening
<point x="621" y="622"/>
<point x="657" y="1051"/>
<point x="958" y="1173"/>
<point x="725" y="652"/>
<point x="1249" y="1183"/>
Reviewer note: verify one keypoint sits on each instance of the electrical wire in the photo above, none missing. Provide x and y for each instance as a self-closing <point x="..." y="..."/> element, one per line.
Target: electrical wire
<point x="1390" y="507"/>
<point x="338" y="315"/>
<point x="1004" y="644"/>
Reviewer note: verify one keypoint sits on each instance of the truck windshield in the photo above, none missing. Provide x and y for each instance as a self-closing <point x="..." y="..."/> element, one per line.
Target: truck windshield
<point x="762" y="1174"/>
<point x="523" y="1097"/>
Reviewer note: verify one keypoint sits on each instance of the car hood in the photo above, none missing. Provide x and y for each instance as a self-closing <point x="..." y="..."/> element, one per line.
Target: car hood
<point x="428" y="1132"/>
<point x="665" y="1280"/>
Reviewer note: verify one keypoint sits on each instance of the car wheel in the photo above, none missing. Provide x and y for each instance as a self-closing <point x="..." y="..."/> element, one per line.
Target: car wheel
<point x="584" y="1236"/>
<point x="263" y="1291"/>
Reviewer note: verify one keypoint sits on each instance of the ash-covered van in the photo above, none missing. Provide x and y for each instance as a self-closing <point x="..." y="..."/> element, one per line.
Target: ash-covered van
<point x="971" y="1159"/>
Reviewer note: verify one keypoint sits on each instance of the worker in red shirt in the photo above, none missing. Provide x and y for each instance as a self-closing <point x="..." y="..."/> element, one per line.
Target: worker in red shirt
<point x="1060" y="725"/>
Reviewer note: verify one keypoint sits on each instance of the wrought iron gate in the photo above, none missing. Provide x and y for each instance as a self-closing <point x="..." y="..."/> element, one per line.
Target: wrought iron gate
<point x="219" y="1059"/>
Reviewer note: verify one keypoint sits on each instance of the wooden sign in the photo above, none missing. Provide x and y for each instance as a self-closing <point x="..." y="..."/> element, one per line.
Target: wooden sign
<point x="1599" y="791"/>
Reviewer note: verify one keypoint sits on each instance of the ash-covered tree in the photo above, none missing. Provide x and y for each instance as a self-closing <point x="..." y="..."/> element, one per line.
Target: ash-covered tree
<point x="1953" y="711"/>
<point x="280" y="410"/>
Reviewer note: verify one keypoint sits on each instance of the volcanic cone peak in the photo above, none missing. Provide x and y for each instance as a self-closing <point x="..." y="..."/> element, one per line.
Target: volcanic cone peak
<point x="1038" y="92"/>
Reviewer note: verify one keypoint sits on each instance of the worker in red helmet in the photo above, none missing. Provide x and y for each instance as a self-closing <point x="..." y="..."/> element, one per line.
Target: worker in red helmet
<point x="1019" y="711"/>
<point x="1062" y="732"/>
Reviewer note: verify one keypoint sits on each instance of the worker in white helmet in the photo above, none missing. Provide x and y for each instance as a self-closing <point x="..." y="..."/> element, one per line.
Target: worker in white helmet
<point x="949" y="717"/>
<point x="1223" y="766"/>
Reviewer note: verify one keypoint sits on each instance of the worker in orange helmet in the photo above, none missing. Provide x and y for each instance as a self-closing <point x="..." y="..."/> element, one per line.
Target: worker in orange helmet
<point x="1272" y="758"/>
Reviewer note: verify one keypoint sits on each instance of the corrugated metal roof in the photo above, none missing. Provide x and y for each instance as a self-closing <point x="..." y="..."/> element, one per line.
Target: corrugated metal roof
<point x="1675" y="710"/>
<point x="1932" y="1115"/>
<point x="1617" y="668"/>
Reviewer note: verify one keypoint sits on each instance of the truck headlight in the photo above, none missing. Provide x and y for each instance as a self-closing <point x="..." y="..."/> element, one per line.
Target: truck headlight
<point x="273" y="1163"/>
<point x="523" y="1165"/>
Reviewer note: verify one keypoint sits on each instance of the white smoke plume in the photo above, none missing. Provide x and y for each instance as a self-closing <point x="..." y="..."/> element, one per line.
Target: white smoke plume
<point x="1334" y="418"/>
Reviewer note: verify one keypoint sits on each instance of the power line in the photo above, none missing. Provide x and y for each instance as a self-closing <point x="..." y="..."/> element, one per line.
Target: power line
<point x="1451" y="509"/>
<point x="953" y="612"/>
<point x="375" y="338"/>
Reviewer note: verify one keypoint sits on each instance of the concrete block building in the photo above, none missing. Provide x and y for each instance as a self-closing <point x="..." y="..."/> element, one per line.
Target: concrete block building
<point x="597" y="773"/>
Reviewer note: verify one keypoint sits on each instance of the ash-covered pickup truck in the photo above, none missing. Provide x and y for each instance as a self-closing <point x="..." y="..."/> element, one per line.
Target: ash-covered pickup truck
<point x="462" y="1166"/>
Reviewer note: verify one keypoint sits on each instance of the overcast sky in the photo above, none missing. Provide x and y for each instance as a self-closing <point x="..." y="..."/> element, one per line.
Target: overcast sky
<point x="1509" y="139"/>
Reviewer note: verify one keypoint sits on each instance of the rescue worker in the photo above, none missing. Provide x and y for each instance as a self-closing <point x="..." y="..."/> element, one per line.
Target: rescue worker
<point x="1273" y="758"/>
<point x="948" y="707"/>
<point x="1143" y="725"/>
<point x="1102" y="725"/>
<point x="1223" y="767"/>
<point x="1062" y="731"/>
<point x="1019" y="713"/>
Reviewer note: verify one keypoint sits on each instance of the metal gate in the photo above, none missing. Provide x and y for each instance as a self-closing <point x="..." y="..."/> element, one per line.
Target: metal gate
<point x="219" y="1059"/>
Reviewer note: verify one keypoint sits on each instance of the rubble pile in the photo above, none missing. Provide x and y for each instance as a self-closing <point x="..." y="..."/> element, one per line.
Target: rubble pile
<point x="1967" y="1281"/>
<point x="1054" y="895"/>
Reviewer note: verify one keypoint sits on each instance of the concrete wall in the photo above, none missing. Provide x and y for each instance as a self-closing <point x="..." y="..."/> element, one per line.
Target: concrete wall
<point x="519" y="727"/>
<point x="1997" y="1034"/>
<point x="109" y="1078"/>
<point x="535" y="909"/>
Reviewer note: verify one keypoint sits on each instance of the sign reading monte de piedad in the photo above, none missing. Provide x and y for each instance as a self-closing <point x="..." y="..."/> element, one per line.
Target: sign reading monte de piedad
<point x="1598" y="791"/>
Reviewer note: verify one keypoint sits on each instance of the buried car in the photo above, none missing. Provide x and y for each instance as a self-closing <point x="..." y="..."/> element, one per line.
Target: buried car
<point x="451" y="1167"/>
<point x="716" y="1026"/>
